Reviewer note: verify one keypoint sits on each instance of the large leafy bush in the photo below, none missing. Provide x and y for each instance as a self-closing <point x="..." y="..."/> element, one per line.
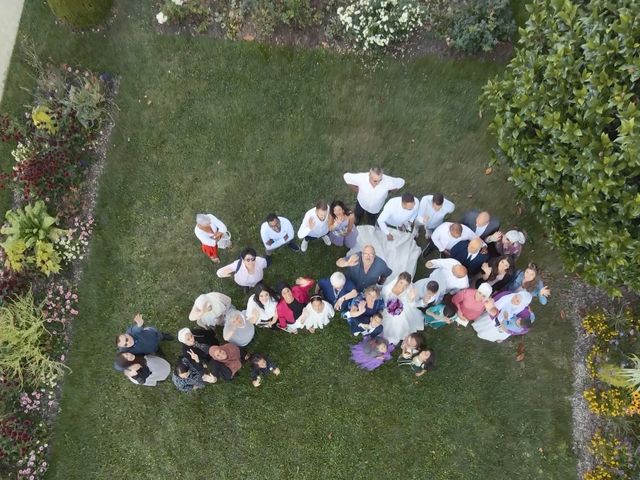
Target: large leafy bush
<point x="568" y="126"/>
<point x="30" y="237"/>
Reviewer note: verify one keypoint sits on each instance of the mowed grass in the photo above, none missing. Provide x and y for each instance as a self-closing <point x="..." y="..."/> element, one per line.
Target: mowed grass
<point x="241" y="130"/>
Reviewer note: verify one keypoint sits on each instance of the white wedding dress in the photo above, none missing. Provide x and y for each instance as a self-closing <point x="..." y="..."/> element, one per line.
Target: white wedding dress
<point x="410" y="320"/>
<point x="400" y="254"/>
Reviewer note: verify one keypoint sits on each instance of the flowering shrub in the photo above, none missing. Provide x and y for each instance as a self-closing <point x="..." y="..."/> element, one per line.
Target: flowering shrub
<point x="596" y="323"/>
<point x="73" y="245"/>
<point x="60" y="304"/>
<point x="615" y="340"/>
<point x="616" y="459"/>
<point x="612" y="402"/>
<point x="378" y="23"/>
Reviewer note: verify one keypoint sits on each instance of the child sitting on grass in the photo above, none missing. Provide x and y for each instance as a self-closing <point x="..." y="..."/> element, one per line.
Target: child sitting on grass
<point x="261" y="365"/>
<point x="371" y="329"/>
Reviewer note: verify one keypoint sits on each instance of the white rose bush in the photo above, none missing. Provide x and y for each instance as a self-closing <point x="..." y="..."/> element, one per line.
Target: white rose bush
<point x="376" y="24"/>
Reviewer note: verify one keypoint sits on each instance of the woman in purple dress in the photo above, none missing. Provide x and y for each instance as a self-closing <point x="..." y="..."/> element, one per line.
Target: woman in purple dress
<point x="342" y="230"/>
<point x="370" y="353"/>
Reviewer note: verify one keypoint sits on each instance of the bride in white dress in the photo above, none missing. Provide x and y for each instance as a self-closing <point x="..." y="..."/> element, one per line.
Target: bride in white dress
<point x="401" y="316"/>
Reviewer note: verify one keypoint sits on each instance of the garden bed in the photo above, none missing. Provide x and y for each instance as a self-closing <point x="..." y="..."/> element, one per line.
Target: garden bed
<point x="42" y="298"/>
<point x="482" y="28"/>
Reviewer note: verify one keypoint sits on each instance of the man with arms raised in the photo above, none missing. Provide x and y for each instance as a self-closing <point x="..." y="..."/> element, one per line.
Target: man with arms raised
<point x="372" y="188"/>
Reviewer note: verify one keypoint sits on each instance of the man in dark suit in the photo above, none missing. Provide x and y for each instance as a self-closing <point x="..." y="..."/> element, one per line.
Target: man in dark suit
<point x="482" y="223"/>
<point x="471" y="253"/>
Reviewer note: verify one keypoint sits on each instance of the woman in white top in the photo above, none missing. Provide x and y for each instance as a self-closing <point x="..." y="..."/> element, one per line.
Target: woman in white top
<point x="209" y="230"/>
<point x="247" y="271"/>
<point x="505" y="321"/>
<point x="261" y="307"/>
<point x="400" y="317"/>
<point x="316" y="314"/>
<point x="209" y="309"/>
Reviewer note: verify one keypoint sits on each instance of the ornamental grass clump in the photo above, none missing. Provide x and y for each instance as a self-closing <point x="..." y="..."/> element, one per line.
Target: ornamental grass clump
<point x="375" y="24"/>
<point x="25" y="343"/>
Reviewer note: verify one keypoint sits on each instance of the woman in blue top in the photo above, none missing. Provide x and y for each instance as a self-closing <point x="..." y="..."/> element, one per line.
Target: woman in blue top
<point x="363" y="307"/>
<point x="529" y="280"/>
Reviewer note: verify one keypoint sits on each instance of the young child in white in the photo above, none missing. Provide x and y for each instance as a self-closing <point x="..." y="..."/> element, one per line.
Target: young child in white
<point x="316" y="314"/>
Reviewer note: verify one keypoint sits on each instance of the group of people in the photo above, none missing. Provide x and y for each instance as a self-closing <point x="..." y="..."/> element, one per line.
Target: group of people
<point x="473" y="279"/>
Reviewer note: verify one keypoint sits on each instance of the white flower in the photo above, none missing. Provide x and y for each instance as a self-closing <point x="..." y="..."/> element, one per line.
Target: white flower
<point x="178" y="2"/>
<point x="162" y="18"/>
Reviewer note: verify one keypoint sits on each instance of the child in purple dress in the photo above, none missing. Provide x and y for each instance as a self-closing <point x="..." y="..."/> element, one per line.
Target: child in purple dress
<point x="370" y="353"/>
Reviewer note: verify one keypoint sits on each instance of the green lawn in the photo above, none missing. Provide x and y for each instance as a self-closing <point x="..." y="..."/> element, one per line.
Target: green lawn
<point x="240" y="130"/>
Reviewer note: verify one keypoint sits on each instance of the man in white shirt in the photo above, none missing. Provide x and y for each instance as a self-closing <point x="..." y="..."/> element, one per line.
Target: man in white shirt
<point x="432" y="210"/>
<point x="446" y="236"/>
<point x="399" y="213"/>
<point x="450" y="274"/>
<point x="373" y="188"/>
<point x="315" y="224"/>
<point x="276" y="232"/>
<point x="429" y="293"/>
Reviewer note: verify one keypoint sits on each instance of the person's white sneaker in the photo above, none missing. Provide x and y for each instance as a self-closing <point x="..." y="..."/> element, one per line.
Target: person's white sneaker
<point x="326" y="240"/>
<point x="304" y="245"/>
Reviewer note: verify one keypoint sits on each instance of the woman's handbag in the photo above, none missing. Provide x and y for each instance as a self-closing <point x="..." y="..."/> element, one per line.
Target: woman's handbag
<point x="224" y="241"/>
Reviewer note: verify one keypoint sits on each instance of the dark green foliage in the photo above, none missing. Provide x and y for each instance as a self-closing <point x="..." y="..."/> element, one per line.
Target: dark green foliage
<point x="81" y="13"/>
<point x="471" y="25"/>
<point x="567" y="123"/>
<point x="481" y="24"/>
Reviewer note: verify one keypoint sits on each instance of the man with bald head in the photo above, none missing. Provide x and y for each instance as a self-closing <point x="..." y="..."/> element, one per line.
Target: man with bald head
<point x="445" y="237"/>
<point x="450" y="274"/>
<point x="482" y="223"/>
<point x="364" y="269"/>
<point x="471" y="253"/>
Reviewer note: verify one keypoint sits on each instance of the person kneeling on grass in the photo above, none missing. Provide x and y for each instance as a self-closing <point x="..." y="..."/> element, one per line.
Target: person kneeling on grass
<point x="422" y="362"/>
<point x="140" y="341"/>
<point x="410" y="346"/>
<point x="190" y="375"/>
<point x="145" y="370"/>
<point x="237" y="329"/>
<point x="261" y="366"/>
<point x="370" y="353"/>
<point x="225" y="361"/>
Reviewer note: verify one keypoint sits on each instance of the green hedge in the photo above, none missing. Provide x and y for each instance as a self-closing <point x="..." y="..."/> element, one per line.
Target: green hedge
<point x="567" y="122"/>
